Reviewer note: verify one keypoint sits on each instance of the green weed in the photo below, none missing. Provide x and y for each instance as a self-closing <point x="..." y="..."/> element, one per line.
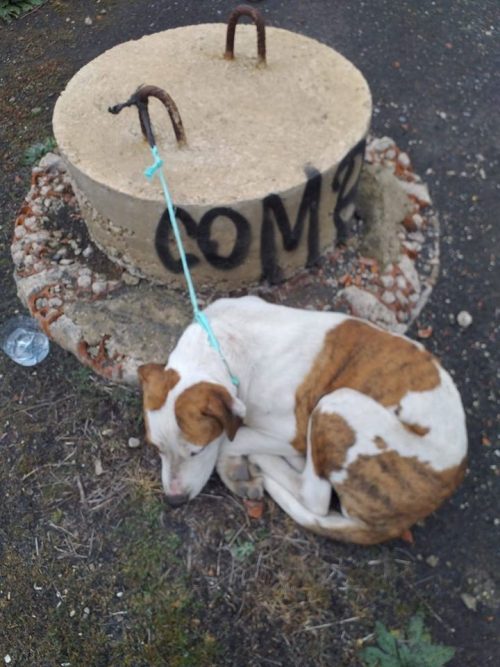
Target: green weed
<point x="411" y="650"/>
<point x="36" y="151"/>
<point x="13" y="9"/>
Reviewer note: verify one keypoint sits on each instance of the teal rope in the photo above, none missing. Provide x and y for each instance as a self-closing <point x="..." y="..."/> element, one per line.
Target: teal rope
<point x="199" y="316"/>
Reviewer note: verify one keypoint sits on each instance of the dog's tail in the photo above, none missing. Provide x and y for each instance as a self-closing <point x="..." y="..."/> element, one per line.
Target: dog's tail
<point x="333" y="525"/>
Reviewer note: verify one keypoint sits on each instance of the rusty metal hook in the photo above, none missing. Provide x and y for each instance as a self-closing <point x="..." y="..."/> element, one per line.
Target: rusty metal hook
<point x="256" y="16"/>
<point x="140" y="100"/>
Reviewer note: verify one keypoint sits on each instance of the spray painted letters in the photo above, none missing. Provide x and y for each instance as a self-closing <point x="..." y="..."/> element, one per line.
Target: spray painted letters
<point x="274" y="218"/>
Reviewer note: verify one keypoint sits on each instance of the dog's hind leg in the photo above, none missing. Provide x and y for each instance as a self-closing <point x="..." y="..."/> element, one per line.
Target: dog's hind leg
<point x="305" y="485"/>
<point x="333" y="525"/>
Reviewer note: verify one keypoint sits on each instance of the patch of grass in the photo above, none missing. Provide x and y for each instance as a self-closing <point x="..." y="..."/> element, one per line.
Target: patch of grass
<point x="163" y="624"/>
<point x="298" y="595"/>
<point x="132" y="605"/>
<point x="36" y="151"/>
<point x="13" y="9"/>
<point x="412" y="648"/>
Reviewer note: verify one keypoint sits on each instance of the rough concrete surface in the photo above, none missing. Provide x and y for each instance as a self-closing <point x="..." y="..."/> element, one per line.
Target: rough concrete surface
<point x="383" y="209"/>
<point x="89" y="578"/>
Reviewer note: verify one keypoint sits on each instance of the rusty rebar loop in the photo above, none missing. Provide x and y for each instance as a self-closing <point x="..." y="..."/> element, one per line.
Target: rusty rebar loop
<point x="256" y="16"/>
<point x="140" y="99"/>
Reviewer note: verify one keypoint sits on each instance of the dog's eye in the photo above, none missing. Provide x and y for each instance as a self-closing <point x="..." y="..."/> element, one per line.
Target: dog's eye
<point x="194" y="453"/>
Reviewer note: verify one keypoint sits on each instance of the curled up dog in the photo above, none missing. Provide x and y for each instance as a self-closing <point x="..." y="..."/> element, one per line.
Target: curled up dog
<point x="326" y="404"/>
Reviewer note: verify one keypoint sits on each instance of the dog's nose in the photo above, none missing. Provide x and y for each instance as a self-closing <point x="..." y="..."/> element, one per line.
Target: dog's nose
<point x="177" y="500"/>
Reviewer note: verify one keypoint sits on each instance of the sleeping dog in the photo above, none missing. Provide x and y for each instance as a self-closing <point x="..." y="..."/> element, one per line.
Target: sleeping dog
<point x="326" y="404"/>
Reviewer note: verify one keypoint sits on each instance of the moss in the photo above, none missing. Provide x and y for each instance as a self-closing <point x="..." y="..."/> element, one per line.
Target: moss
<point x="135" y="607"/>
<point x="163" y="624"/>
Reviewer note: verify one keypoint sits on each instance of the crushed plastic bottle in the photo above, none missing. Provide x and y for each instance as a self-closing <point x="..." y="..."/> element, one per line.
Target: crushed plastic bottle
<point x="23" y="341"/>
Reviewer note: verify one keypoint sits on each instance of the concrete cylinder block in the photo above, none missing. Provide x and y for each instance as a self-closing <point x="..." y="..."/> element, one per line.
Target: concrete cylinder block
<point x="266" y="179"/>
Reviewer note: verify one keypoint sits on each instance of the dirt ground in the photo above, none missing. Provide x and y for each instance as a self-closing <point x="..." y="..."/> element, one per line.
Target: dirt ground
<point x="95" y="569"/>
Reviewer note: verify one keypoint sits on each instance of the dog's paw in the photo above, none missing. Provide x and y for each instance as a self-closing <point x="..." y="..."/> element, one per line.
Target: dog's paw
<point x="241" y="477"/>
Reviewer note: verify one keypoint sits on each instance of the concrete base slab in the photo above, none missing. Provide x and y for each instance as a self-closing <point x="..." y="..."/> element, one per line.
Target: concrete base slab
<point x="113" y="321"/>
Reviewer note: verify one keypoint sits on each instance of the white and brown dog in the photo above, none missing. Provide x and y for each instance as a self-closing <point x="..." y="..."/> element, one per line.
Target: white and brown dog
<point x="325" y="402"/>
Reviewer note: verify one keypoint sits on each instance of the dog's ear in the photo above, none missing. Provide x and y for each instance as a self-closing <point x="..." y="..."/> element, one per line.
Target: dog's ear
<point x="156" y="382"/>
<point x="228" y="411"/>
<point x="205" y="410"/>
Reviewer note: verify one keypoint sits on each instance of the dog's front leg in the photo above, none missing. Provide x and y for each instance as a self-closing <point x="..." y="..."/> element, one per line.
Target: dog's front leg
<point x="234" y="467"/>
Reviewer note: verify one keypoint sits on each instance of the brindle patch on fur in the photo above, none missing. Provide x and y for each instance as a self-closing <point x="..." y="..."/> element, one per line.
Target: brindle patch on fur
<point x="416" y="429"/>
<point x="390" y="492"/>
<point x="359" y="356"/>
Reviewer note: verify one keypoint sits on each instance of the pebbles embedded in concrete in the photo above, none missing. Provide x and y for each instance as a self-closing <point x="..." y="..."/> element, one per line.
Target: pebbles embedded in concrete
<point x="84" y="282"/>
<point x="86" y="252"/>
<point x="129" y="279"/>
<point x="401" y="297"/>
<point x="366" y="305"/>
<point x="52" y="161"/>
<point x="99" y="287"/>
<point x="408" y="269"/>
<point x="418" y="190"/>
<point x="418" y="220"/>
<point x="404" y="160"/>
<point x="133" y="443"/>
<point x="388" y="297"/>
<point x="387" y="280"/>
<point x="383" y="144"/>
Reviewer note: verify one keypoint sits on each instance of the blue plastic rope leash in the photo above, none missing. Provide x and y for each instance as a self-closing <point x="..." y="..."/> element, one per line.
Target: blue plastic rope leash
<point x="199" y="317"/>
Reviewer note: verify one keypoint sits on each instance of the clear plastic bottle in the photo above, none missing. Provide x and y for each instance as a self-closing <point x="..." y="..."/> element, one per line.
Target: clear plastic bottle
<point x="23" y="341"/>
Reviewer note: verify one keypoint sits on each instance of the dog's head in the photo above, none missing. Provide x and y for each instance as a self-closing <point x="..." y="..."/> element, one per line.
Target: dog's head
<point x="187" y="422"/>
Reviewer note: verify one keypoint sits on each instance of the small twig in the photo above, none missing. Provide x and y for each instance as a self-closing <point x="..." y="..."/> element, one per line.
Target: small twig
<point x="63" y="530"/>
<point x="81" y="490"/>
<point x="428" y="606"/>
<point x="353" y="619"/>
<point x="44" y="404"/>
<point x="47" y="465"/>
<point x="91" y="543"/>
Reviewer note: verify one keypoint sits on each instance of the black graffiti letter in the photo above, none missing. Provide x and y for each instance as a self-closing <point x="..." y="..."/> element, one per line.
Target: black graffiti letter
<point x="162" y="240"/>
<point x="209" y="247"/>
<point x="273" y="209"/>
<point x="345" y="183"/>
